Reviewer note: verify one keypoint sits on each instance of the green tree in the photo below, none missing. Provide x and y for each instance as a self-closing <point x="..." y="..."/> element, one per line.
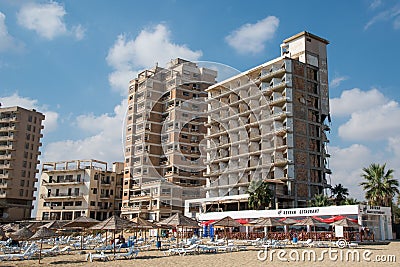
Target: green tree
<point x="380" y="187"/>
<point x="350" y="201"/>
<point x="320" y="201"/>
<point x="339" y="193"/>
<point x="260" y="194"/>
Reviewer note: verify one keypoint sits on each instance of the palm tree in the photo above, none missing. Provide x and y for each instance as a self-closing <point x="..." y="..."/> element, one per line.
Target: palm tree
<point x="380" y="187"/>
<point x="339" y="192"/>
<point x="320" y="201"/>
<point x="260" y="194"/>
<point x="350" y="201"/>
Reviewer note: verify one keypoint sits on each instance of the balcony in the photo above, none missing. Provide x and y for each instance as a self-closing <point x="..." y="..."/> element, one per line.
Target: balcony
<point x="5" y="156"/>
<point x="105" y="196"/>
<point x="105" y="182"/>
<point x="62" y="182"/>
<point x="4" y="185"/>
<point x="4" y="176"/>
<point x="61" y="196"/>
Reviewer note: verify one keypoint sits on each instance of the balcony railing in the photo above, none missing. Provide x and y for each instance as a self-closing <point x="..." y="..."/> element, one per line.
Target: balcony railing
<point x="61" y="195"/>
<point x="59" y="182"/>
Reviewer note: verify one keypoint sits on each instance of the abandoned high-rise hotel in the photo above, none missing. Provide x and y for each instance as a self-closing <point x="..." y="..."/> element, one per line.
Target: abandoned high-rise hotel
<point x="195" y="143"/>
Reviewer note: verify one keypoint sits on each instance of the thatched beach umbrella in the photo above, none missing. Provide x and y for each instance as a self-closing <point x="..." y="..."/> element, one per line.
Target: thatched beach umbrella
<point x="22" y="234"/>
<point x="226" y="222"/>
<point x="178" y="220"/>
<point x="54" y="225"/>
<point x="309" y="221"/>
<point x="81" y="223"/>
<point x="346" y="222"/>
<point x="143" y="224"/>
<point x="114" y="223"/>
<point x="10" y="227"/>
<point x="41" y="234"/>
<point x="267" y="222"/>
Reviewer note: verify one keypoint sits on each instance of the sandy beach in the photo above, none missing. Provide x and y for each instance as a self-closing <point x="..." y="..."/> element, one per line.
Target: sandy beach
<point x="241" y="258"/>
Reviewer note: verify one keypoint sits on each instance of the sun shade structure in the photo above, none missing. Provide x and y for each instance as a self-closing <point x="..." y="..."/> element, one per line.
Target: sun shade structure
<point x="22" y="234"/>
<point x="82" y="222"/>
<point x="267" y="222"/>
<point x="309" y="221"/>
<point x="53" y="225"/>
<point x="346" y="222"/>
<point x="226" y="222"/>
<point x="114" y="223"/>
<point x="288" y="221"/>
<point x="10" y="227"/>
<point x="41" y="234"/>
<point x="179" y="220"/>
<point x="143" y="224"/>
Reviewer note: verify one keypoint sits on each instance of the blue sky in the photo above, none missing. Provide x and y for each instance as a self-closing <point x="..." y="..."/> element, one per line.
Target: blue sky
<point x="72" y="60"/>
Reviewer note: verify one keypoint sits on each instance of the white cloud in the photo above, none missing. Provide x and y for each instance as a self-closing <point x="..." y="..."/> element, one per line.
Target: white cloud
<point x="7" y="42"/>
<point x="376" y="123"/>
<point x="151" y="46"/>
<point x="51" y="119"/>
<point x="375" y="4"/>
<point x="386" y="15"/>
<point x="337" y="81"/>
<point x="78" y="32"/>
<point x="251" y="38"/>
<point x="47" y="20"/>
<point x="104" y="141"/>
<point x="346" y="165"/>
<point x="355" y="100"/>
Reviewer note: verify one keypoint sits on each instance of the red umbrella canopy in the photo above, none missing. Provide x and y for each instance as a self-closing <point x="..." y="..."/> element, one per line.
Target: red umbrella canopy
<point x="242" y="221"/>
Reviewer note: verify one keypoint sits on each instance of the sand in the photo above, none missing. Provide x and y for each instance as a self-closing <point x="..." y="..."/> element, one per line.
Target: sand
<point x="241" y="258"/>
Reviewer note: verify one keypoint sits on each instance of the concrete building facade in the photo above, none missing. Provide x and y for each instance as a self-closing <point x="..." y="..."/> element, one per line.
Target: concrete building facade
<point x="70" y="189"/>
<point x="164" y="130"/>
<point x="269" y="124"/>
<point x="20" y="134"/>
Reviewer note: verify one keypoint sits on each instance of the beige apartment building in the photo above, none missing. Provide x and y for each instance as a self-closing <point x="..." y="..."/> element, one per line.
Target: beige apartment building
<point x="165" y="126"/>
<point x="20" y="134"/>
<point x="269" y="123"/>
<point x="70" y="189"/>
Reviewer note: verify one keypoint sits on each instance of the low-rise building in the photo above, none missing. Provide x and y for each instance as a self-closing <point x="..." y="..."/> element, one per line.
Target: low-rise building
<point x="70" y="189"/>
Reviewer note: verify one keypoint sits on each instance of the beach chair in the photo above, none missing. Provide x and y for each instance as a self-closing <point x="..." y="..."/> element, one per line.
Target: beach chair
<point x="132" y="253"/>
<point x="307" y="243"/>
<point x="65" y="250"/>
<point x="51" y="251"/>
<point x="21" y="256"/>
<point x="97" y="256"/>
<point x="189" y="250"/>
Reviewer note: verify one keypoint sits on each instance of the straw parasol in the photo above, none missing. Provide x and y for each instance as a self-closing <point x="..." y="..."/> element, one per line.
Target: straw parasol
<point x="226" y="222"/>
<point x="267" y="222"/>
<point x="114" y="223"/>
<point x="42" y="233"/>
<point x="22" y="234"/>
<point x="143" y="224"/>
<point x="346" y="222"/>
<point x="53" y="225"/>
<point x="309" y="221"/>
<point x="288" y="221"/>
<point x="10" y="227"/>
<point x="178" y="220"/>
<point x="82" y="222"/>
